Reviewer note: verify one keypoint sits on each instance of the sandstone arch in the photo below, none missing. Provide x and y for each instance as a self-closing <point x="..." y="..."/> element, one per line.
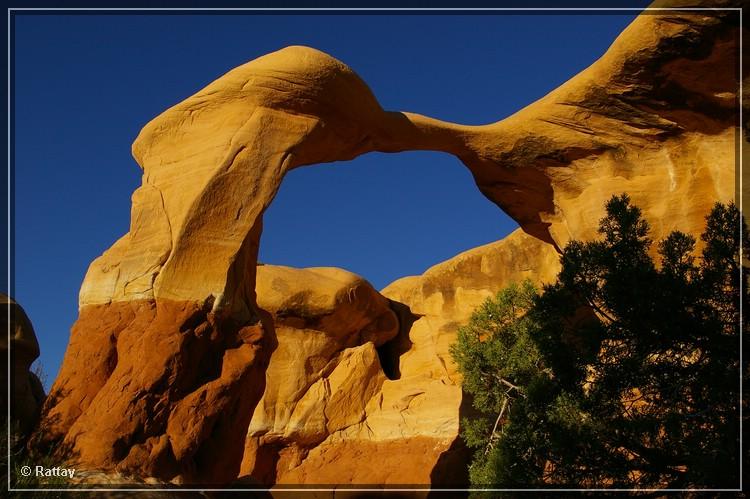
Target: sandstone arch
<point x="655" y="116"/>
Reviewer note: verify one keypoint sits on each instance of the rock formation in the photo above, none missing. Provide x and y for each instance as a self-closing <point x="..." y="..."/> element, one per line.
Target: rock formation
<point x="27" y="392"/>
<point x="333" y="399"/>
<point x="329" y="323"/>
<point x="167" y="361"/>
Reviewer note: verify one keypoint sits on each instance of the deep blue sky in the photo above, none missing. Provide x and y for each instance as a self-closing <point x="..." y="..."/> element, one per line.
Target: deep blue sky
<point x="86" y="84"/>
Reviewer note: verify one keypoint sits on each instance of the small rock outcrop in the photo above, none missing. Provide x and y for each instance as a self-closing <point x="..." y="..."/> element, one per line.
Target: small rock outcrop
<point x="27" y="392"/>
<point x="168" y="359"/>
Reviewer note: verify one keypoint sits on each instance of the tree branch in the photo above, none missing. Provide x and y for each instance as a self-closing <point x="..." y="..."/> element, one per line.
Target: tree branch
<point x="510" y="385"/>
<point x="493" y="435"/>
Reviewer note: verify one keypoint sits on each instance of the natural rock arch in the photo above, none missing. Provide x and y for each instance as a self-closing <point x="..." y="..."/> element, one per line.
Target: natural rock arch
<point x="178" y="291"/>
<point x="292" y="108"/>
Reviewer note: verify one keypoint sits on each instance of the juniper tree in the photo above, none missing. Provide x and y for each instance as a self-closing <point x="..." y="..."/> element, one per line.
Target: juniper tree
<point x="623" y="373"/>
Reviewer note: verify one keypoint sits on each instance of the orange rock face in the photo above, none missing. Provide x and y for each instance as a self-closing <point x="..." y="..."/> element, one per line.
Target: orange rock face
<point x="167" y="362"/>
<point x="183" y="408"/>
<point x="403" y="461"/>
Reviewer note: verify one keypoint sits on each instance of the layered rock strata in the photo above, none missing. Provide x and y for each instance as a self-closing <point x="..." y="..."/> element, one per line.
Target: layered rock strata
<point x="168" y="358"/>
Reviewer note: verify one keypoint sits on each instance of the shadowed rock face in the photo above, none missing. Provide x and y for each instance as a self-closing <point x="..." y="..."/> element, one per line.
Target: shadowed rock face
<point x="26" y="390"/>
<point x="167" y="361"/>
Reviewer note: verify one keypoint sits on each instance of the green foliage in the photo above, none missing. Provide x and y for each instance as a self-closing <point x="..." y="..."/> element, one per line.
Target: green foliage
<point x="501" y="368"/>
<point x="622" y="373"/>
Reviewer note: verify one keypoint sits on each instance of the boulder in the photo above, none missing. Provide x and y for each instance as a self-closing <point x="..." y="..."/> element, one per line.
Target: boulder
<point x="26" y="390"/>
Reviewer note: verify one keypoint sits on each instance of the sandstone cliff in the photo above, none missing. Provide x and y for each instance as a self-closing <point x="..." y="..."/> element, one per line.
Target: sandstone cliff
<point x="168" y="359"/>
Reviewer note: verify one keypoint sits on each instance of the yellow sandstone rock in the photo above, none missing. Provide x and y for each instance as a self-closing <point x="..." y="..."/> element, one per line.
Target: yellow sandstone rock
<point x="310" y="420"/>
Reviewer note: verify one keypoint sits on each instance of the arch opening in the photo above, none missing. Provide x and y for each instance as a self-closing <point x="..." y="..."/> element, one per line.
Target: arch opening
<point x="382" y="216"/>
